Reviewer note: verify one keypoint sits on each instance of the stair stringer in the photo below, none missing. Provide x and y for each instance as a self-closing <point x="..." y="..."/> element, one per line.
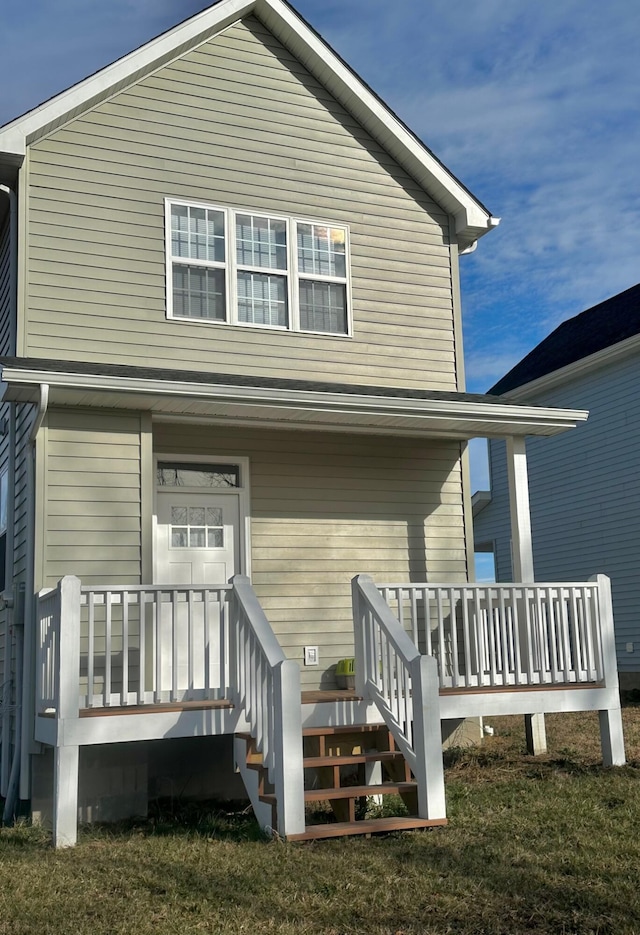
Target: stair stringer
<point x="252" y="782"/>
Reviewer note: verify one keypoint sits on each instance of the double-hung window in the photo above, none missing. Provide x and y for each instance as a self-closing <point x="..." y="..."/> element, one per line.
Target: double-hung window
<point x="256" y="269"/>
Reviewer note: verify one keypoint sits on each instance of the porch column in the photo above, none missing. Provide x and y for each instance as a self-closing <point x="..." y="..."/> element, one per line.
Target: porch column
<point x="522" y="558"/>
<point x="521" y="545"/>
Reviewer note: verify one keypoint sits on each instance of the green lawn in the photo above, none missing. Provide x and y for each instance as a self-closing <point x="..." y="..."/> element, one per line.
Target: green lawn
<point x="548" y="845"/>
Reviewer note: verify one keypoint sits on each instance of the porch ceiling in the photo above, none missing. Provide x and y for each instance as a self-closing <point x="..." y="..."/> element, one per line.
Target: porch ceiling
<point x="296" y="404"/>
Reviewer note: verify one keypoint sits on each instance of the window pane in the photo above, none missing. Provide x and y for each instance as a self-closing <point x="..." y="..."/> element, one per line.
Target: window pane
<point x="216" y="538"/>
<point x="179" y="515"/>
<point x="323" y="307"/>
<point x="179" y="538"/>
<point x="322" y="250"/>
<point x="196" y="516"/>
<point x="197" y="233"/>
<point x="199" y="292"/>
<point x="262" y="299"/>
<point x="176" y="474"/>
<point x="214" y="516"/>
<point x="197" y="538"/>
<point x="261" y="241"/>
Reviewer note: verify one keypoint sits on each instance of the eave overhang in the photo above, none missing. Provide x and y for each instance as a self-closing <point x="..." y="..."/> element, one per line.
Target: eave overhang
<point x="286" y="404"/>
<point x="472" y="219"/>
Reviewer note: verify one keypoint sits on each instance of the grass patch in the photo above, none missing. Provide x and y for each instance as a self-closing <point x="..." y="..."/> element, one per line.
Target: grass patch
<point x="545" y="845"/>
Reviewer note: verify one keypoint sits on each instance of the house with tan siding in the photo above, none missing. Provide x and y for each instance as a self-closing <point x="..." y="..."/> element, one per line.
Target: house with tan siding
<point x="234" y="448"/>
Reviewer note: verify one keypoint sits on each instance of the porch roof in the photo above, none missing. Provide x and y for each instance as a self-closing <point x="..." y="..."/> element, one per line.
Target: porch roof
<point x="269" y="401"/>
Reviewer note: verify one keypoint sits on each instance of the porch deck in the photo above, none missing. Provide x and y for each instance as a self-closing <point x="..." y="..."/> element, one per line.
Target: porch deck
<point x="150" y="662"/>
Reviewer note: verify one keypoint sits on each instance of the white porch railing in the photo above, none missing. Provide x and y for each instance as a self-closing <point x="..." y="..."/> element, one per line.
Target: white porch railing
<point x="493" y="635"/>
<point x="118" y="646"/>
<point x="403" y="684"/>
<point x="267" y="688"/>
<point x="137" y="645"/>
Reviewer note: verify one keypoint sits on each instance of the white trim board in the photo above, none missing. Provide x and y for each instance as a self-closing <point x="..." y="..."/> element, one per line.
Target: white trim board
<point x="445" y="418"/>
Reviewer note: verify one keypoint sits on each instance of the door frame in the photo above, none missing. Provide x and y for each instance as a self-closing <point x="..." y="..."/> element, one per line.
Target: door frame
<point x="242" y="493"/>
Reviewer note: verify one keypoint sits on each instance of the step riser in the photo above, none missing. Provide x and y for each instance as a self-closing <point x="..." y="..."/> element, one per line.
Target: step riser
<point x="334" y="755"/>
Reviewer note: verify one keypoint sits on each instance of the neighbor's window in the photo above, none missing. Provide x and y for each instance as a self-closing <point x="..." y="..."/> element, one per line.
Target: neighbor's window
<point x="247" y="268"/>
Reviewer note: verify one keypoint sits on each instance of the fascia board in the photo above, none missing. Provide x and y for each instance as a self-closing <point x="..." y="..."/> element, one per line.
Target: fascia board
<point x="472" y="219"/>
<point x="577" y="369"/>
<point x="515" y="419"/>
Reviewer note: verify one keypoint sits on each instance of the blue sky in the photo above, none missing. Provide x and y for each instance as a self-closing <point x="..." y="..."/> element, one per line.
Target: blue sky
<point x="535" y="107"/>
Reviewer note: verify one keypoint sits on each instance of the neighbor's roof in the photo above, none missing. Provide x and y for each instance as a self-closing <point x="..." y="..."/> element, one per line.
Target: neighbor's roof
<point x="472" y="218"/>
<point x="607" y="324"/>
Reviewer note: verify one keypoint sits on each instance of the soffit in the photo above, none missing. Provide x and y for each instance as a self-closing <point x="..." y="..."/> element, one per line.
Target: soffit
<point x="283" y="403"/>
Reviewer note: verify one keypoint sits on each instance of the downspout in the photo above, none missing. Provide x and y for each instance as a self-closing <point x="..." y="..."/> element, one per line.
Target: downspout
<point x="7" y="596"/>
<point x="19" y="780"/>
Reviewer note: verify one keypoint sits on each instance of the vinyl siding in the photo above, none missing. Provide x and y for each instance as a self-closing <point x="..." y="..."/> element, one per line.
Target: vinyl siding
<point x="585" y="495"/>
<point x="237" y="122"/>
<point x="92" y="521"/>
<point x="327" y="507"/>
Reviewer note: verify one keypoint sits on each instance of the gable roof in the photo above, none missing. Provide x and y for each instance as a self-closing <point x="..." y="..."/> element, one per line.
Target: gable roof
<point x="605" y="325"/>
<point x="471" y="217"/>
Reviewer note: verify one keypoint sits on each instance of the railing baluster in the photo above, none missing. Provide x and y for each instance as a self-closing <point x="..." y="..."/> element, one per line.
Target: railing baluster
<point x="107" y="651"/>
<point x="174" y="645"/>
<point x="466" y="637"/>
<point x="453" y="618"/>
<point x="142" y="644"/>
<point x="124" y="696"/>
<point x="413" y="595"/>
<point x="157" y="629"/>
<point x="427" y="623"/>
<point x="91" y="647"/>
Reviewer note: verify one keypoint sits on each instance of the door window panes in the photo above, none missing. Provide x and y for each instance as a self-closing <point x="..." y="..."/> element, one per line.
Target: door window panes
<point x="175" y="474"/>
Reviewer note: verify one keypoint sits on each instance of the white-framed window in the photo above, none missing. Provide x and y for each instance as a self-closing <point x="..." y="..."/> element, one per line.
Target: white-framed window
<point x="256" y="269"/>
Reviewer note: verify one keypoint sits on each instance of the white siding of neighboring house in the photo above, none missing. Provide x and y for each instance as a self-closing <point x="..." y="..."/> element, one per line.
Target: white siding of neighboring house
<point x="585" y="496"/>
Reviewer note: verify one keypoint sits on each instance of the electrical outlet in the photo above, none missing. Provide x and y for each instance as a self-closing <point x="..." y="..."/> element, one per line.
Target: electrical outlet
<point x="311" y="656"/>
<point x="629" y="647"/>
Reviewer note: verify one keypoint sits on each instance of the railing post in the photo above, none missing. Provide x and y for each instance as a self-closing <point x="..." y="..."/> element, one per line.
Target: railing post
<point x="65" y="783"/>
<point x="289" y="772"/>
<point x="611" y="734"/>
<point x="361" y="651"/>
<point x="69" y="657"/>
<point x="428" y="738"/>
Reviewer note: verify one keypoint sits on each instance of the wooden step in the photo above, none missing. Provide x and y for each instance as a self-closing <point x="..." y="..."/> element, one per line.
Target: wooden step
<point x="350" y="792"/>
<point x="350" y="759"/>
<point x="344" y="729"/>
<point x="340" y="829"/>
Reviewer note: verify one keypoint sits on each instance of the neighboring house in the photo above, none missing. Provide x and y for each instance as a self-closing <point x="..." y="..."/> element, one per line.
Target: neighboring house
<point x="232" y="378"/>
<point x="585" y="509"/>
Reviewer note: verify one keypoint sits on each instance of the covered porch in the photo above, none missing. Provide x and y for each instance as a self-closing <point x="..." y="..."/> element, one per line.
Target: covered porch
<point x="153" y="657"/>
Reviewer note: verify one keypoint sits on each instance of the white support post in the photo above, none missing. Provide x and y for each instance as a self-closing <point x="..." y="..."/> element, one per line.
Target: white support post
<point x="521" y="544"/>
<point x="522" y="559"/>
<point x="289" y="771"/>
<point x="427" y="738"/>
<point x="65" y="797"/>
<point x="65" y="783"/>
<point x="611" y="734"/>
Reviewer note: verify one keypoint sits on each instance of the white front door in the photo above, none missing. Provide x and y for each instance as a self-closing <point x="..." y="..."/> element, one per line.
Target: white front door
<point x="197" y="537"/>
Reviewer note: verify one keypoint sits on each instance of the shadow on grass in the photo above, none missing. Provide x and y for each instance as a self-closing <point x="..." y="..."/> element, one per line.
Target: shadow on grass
<point x="213" y="820"/>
